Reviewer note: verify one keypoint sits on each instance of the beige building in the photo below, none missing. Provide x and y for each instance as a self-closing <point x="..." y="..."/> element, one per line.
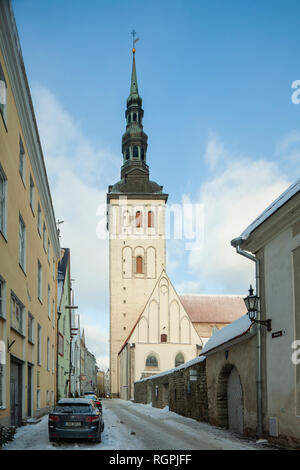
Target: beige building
<point x="273" y="243"/>
<point x="29" y="245"/>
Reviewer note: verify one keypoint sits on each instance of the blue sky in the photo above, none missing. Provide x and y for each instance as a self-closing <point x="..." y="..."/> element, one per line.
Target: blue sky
<point x="215" y="78"/>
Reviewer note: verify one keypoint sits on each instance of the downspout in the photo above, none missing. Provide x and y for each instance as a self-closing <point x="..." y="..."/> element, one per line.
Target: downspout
<point x="236" y="244"/>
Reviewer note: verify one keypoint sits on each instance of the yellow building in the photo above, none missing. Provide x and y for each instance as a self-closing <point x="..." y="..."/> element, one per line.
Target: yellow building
<point x="29" y="245"/>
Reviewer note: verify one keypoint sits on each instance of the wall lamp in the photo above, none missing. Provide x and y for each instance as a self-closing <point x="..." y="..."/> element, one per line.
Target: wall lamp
<point x="251" y="302"/>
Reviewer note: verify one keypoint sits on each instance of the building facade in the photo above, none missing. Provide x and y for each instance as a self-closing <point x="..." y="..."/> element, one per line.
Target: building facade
<point x="29" y="245"/>
<point x="64" y="325"/>
<point x="273" y="243"/>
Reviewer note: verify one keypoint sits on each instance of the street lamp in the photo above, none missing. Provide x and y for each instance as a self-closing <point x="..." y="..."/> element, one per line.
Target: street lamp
<point x="251" y="302"/>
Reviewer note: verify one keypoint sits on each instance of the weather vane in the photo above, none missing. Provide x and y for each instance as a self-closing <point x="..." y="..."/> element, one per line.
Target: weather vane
<point x="133" y="32"/>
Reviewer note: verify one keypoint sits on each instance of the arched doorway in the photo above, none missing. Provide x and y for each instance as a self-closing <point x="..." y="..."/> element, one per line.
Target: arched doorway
<point x="235" y="402"/>
<point x="230" y="402"/>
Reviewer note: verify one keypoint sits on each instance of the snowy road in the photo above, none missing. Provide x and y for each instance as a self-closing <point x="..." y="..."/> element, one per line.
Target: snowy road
<point x="132" y="426"/>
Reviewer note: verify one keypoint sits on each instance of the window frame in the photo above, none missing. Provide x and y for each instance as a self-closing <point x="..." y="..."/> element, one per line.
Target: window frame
<point x="16" y="324"/>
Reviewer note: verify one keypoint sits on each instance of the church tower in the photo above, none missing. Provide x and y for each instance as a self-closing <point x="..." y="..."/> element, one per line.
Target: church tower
<point x="136" y="224"/>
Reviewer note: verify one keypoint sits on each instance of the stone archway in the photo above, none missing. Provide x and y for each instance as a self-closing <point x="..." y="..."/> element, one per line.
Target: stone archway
<point x="230" y="402"/>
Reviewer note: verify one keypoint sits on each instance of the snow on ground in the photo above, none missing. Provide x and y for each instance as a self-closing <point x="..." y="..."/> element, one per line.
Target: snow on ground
<point x="133" y="426"/>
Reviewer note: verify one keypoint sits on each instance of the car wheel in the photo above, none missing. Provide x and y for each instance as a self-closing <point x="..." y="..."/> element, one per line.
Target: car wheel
<point x="98" y="439"/>
<point x="102" y="427"/>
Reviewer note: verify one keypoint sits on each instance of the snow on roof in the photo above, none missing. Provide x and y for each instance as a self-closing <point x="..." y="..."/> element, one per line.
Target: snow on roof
<point x="213" y="308"/>
<point x="190" y="363"/>
<point x="279" y="202"/>
<point x="236" y="329"/>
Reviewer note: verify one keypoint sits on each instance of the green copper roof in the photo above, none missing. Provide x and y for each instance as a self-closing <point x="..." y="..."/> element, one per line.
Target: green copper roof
<point x="134" y="92"/>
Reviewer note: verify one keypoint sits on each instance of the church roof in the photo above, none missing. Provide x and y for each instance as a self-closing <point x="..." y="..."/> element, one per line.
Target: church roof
<point x="213" y="308"/>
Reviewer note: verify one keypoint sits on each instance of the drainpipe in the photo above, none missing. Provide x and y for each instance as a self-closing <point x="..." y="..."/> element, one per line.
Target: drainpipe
<point x="236" y="244"/>
<point x="57" y="340"/>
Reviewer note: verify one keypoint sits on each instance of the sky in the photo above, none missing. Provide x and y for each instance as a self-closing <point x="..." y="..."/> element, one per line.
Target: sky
<point x="223" y="132"/>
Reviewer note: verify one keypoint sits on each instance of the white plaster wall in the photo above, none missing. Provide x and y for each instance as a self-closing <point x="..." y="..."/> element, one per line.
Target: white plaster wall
<point x="279" y="300"/>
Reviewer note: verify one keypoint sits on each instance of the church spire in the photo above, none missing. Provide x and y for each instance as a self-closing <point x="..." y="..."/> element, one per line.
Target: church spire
<point x="135" y="171"/>
<point x="134" y="85"/>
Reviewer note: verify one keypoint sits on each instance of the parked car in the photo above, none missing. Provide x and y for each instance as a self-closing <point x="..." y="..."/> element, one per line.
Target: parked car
<point x="96" y="400"/>
<point x="75" y="418"/>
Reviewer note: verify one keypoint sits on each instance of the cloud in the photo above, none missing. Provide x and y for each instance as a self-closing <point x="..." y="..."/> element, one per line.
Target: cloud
<point x="232" y="199"/>
<point x="78" y="176"/>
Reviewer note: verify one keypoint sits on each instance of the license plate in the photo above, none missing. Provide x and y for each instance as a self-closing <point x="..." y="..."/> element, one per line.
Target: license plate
<point x="73" y="423"/>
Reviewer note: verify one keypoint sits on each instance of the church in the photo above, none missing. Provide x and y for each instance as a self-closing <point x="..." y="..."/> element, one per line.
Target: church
<point x="152" y="328"/>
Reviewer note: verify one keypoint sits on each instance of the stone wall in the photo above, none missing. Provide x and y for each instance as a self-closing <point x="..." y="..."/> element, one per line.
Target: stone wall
<point x="183" y="389"/>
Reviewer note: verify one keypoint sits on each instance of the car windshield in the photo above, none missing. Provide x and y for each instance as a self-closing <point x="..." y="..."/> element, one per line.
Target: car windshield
<point x="72" y="408"/>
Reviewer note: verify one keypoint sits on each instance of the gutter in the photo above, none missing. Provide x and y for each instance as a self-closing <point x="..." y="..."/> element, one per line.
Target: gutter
<point x="236" y="242"/>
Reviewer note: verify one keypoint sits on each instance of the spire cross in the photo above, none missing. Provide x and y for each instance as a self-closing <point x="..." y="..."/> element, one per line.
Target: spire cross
<point x="133" y="32"/>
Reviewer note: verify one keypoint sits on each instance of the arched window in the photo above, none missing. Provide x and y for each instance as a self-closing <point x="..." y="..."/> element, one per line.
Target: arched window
<point x="214" y="330"/>
<point x="138" y="219"/>
<point x="142" y="153"/>
<point x="179" y="359"/>
<point x="139" y="265"/>
<point x="150" y="219"/>
<point x="134" y="116"/>
<point x="151" y="361"/>
<point x="127" y="154"/>
<point x="129" y="118"/>
<point x="135" y="152"/>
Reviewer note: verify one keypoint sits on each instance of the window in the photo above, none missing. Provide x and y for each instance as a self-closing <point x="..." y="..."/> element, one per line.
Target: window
<point x="151" y="361"/>
<point x="48" y="251"/>
<point x="16" y="314"/>
<point x="44" y="236"/>
<point x="53" y="313"/>
<point x="30" y="328"/>
<point x="39" y="219"/>
<point x="142" y="153"/>
<point x="179" y="359"/>
<point x="150" y="219"/>
<point x="127" y="154"/>
<point x="39" y="281"/>
<point x="60" y="345"/>
<point x="3" y="95"/>
<point x="3" y="201"/>
<point x="48" y="353"/>
<point x="38" y="399"/>
<point x="214" y="330"/>
<point x="47" y="398"/>
<point x="135" y="152"/>
<point x="22" y="160"/>
<point x="163" y="338"/>
<point x="53" y="359"/>
<point x="134" y="117"/>
<point x="31" y="194"/>
<point x="64" y="325"/>
<point x="2" y="298"/>
<point x="139" y="265"/>
<point x="39" y="339"/>
<point x="22" y="243"/>
<point x="129" y="118"/>
<point x="138" y="219"/>
<point x="49" y="303"/>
